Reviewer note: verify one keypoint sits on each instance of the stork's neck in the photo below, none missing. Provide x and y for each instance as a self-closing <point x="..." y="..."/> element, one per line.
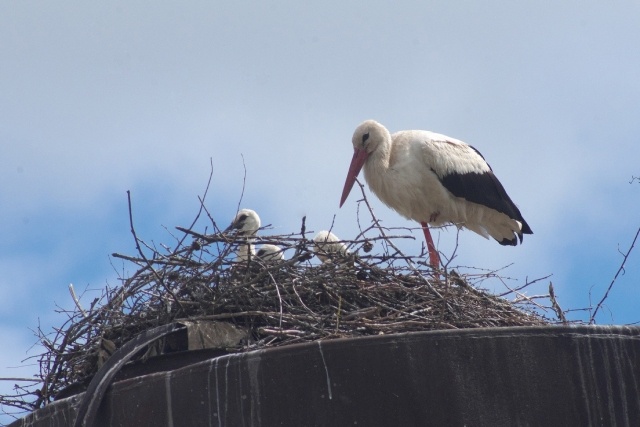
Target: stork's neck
<point x="377" y="165"/>
<point x="250" y="238"/>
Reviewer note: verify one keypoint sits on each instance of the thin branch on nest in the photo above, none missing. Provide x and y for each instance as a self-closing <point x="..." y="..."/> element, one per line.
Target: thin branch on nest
<point x="555" y="305"/>
<point x="390" y="242"/>
<point x="592" y="318"/>
<point x="149" y="265"/>
<point x="75" y="300"/>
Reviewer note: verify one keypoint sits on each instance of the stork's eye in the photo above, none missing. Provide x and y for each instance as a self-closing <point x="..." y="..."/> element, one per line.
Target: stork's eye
<point x="239" y="222"/>
<point x="364" y="138"/>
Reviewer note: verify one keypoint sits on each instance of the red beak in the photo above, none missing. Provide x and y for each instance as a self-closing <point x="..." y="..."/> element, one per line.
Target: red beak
<point x="359" y="157"/>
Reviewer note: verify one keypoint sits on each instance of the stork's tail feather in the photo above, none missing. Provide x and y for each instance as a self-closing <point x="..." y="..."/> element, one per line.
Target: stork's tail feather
<point x="525" y="228"/>
<point x="504" y="230"/>
<point x="510" y="242"/>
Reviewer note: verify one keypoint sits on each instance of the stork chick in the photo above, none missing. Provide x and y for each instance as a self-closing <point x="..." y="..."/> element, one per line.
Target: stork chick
<point x="270" y="253"/>
<point x="245" y="224"/>
<point x="327" y="246"/>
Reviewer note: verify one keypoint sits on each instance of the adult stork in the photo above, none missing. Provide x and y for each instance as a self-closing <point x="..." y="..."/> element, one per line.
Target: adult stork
<point x="246" y="224"/>
<point x="434" y="179"/>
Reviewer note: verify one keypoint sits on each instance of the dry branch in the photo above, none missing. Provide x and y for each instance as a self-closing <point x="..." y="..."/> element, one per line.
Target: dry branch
<point x="592" y="318"/>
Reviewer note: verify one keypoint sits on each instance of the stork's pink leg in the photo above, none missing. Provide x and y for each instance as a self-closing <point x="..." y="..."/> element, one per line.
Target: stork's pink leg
<point x="434" y="257"/>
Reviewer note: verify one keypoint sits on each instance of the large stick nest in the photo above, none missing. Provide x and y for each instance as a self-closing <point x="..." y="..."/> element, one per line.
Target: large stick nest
<point x="279" y="303"/>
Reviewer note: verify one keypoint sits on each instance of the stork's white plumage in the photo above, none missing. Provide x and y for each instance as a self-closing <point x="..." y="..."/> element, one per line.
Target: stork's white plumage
<point x="434" y="179"/>
<point x="270" y="253"/>
<point x="326" y="245"/>
<point x="246" y="224"/>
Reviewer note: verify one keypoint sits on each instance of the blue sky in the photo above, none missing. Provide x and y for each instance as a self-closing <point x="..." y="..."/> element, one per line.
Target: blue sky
<point x="98" y="99"/>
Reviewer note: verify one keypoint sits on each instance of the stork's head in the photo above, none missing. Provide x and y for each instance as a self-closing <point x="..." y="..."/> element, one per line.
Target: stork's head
<point x="366" y="139"/>
<point x="270" y="253"/>
<point x="325" y="244"/>
<point x="325" y="236"/>
<point x="246" y="222"/>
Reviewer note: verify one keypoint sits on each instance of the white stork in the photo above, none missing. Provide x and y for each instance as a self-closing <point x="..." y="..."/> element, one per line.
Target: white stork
<point x="434" y="179"/>
<point x="326" y="244"/>
<point x="270" y="253"/>
<point x="246" y="224"/>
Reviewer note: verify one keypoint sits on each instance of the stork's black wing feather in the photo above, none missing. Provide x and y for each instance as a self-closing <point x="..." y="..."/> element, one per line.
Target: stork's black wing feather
<point x="484" y="189"/>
